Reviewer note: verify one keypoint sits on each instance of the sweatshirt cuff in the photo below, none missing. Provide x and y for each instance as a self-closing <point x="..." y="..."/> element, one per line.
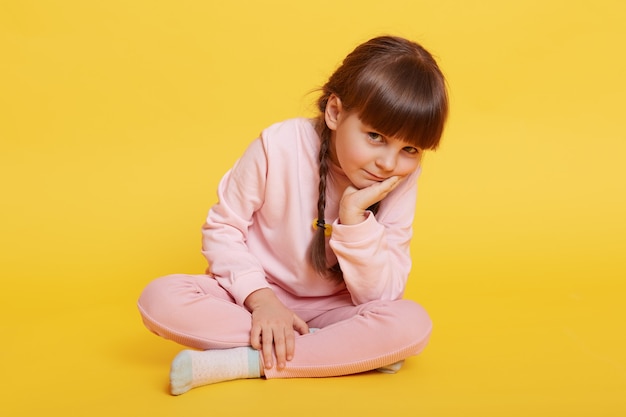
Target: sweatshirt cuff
<point x="356" y="232"/>
<point x="246" y="285"/>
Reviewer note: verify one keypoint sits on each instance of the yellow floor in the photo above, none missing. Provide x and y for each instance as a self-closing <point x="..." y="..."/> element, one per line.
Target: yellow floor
<point x="118" y="118"/>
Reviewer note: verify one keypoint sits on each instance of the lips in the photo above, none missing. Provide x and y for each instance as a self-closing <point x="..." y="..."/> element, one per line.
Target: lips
<point x="373" y="177"/>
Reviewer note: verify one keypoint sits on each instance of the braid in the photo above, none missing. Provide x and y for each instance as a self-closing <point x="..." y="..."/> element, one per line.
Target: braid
<point x="395" y="86"/>
<point x="317" y="250"/>
<point x="323" y="171"/>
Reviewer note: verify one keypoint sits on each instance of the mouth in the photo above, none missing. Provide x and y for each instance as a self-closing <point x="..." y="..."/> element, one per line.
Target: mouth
<point x="373" y="177"/>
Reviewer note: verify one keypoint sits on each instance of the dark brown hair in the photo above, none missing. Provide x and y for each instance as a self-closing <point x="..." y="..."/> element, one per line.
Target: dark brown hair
<point x="396" y="87"/>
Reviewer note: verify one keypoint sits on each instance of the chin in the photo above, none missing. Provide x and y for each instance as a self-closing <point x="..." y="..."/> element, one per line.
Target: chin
<point x="365" y="184"/>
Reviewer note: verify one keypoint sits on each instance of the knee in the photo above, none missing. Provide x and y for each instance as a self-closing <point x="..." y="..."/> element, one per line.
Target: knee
<point x="418" y="318"/>
<point x="412" y="321"/>
<point x="157" y="298"/>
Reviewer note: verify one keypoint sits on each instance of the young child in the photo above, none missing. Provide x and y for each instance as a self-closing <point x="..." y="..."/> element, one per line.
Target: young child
<point x="308" y="245"/>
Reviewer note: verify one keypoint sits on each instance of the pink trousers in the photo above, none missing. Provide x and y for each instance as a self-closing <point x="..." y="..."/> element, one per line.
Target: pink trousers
<point x="195" y="311"/>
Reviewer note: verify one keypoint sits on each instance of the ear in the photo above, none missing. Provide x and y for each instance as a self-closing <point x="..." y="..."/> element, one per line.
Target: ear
<point x="333" y="111"/>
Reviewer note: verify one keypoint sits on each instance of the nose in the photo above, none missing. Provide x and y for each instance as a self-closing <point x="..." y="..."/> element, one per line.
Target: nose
<point x="387" y="160"/>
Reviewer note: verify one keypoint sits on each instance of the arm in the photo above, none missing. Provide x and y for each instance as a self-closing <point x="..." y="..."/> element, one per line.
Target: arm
<point x="273" y="324"/>
<point x="374" y="251"/>
<point x="241" y="193"/>
<point x="225" y="232"/>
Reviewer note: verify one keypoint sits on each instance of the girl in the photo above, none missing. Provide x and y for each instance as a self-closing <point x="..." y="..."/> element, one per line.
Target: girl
<point x="308" y="246"/>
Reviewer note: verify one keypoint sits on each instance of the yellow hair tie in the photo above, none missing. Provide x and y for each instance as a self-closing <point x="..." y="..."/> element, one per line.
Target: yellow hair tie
<point x="328" y="229"/>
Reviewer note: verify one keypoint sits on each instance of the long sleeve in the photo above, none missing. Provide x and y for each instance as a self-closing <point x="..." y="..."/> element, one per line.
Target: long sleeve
<point x="375" y="255"/>
<point x="226" y="230"/>
<point x="258" y="233"/>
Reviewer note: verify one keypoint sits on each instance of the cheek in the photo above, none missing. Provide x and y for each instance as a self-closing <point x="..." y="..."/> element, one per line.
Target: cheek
<point x="352" y="156"/>
<point x="360" y="156"/>
<point x="408" y="166"/>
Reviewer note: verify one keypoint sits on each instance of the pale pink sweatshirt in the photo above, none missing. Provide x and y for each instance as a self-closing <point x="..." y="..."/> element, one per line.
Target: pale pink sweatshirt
<point x="258" y="233"/>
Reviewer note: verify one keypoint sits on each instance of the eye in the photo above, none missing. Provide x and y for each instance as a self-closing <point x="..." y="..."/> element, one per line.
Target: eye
<point x="411" y="150"/>
<point x="375" y="137"/>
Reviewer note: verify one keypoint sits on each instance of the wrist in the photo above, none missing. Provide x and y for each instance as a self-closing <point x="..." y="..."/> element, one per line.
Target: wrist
<point x="258" y="298"/>
<point x="350" y="218"/>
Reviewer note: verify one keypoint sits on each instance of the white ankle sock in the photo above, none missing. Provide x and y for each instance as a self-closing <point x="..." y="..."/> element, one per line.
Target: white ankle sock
<point x="391" y="369"/>
<point x="191" y="368"/>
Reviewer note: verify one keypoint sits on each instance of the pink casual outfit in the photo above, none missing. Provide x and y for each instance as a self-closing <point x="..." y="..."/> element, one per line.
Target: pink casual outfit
<point x="257" y="236"/>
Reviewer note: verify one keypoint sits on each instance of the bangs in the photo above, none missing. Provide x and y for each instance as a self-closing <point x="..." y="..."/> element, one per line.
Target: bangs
<point x="400" y="102"/>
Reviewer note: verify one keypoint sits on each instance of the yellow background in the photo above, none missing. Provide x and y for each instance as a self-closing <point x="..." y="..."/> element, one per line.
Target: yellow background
<point x="118" y="118"/>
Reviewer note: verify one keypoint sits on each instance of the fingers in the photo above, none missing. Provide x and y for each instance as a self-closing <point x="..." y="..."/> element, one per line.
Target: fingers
<point x="290" y="347"/>
<point x="391" y="183"/>
<point x="279" y="341"/>
<point x="300" y="325"/>
<point x="367" y="196"/>
<point x="283" y="345"/>
<point x="255" y="337"/>
<point x="379" y="190"/>
<point x="281" y="349"/>
<point x="290" y="339"/>
<point x="267" y="338"/>
<point x="355" y="202"/>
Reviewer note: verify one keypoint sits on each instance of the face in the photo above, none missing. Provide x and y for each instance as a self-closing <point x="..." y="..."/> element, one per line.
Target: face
<point x="366" y="156"/>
